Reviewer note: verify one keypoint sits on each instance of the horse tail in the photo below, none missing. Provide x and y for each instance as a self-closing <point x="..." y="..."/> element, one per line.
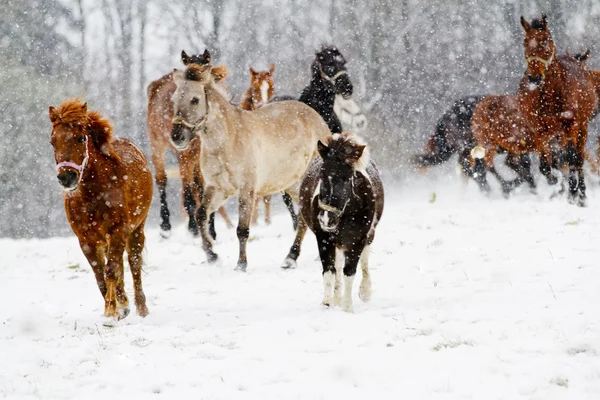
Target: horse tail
<point x="437" y="148"/>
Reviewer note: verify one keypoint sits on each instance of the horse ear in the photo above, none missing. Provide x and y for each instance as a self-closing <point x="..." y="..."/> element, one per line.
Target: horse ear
<point x="206" y="56"/>
<point x="544" y="21"/>
<point x="272" y="69"/>
<point x="84" y="107"/>
<point x="323" y="150"/>
<point x="252" y="71"/>
<point x="525" y="24"/>
<point x="178" y="76"/>
<point x="52" y="114"/>
<point x="185" y="58"/>
<point x="358" y="151"/>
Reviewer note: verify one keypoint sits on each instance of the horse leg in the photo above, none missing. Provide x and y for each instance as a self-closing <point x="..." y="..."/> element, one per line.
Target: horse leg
<point x="526" y="174"/>
<point x="158" y="159"/>
<point x="116" y="302"/>
<point x="287" y="199"/>
<point x="135" y="246"/>
<point x="225" y="217"/>
<point x="579" y="160"/>
<point x="545" y="160"/>
<point x="479" y="171"/>
<point x="267" y="201"/>
<point x="246" y="208"/>
<point x="365" y="284"/>
<point x="186" y="169"/>
<point x="572" y="160"/>
<point x="255" y="213"/>
<point x="327" y="253"/>
<point x="352" y="258"/>
<point x="294" y="253"/>
<point x="96" y="256"/>
<point x="209" y="199"/>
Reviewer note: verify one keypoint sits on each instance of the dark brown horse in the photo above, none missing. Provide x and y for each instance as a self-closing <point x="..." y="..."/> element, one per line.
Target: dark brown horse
<point x="257" y="95"/>
<point x="107" y="190"/>
<point x="497" y="124"/>
<point x="556" y="98"/>
<point x="341" y="201"/>
<point x="160" y="114"/>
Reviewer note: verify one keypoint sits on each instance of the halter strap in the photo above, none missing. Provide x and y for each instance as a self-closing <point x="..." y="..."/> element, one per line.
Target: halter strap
<point x="331" y="79"/>
<point x="79" y="167"/>
<point x="545" y="62"/>
<point x="336" y="211"/>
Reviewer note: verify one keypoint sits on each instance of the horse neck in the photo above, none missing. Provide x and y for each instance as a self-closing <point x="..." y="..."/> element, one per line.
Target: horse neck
<point x="220" y="113"/>
<point x="98" y="165"/>
<point x="322" y="90"/>
<point x="248" y="100"/>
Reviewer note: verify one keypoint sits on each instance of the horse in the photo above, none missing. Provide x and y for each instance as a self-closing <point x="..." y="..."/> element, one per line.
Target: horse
<point x="556" y="98"/>
<point x="452" y="134"/>
<point x="243" y="153"/>
<point x="258" y="94"/>
<point x="159" y="116"/>
<point x="328" y="78"/>
<point x="107" y="187"/>
<point x="341" y="201"/>
<point x="496" y="123"/>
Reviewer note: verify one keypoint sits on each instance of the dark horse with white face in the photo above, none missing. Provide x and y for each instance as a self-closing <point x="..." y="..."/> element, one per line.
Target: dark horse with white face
<point x="341" y="201"/>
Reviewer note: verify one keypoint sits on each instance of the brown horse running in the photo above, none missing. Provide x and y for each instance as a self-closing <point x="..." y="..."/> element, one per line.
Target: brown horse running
<point x="496" y="123"/>
<point x="160" y="114"/>
<point x="257" y="95"/>
<point x="107" y="187"/>
<point x="556" y="98"/>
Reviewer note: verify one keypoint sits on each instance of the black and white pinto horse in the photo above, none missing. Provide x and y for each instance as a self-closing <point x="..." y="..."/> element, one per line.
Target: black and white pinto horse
<point x="341" y="201"/>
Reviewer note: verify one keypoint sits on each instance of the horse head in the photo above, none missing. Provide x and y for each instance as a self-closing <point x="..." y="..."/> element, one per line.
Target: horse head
<point x="330" y="66"/>
<point x="262" y="85"/>
<point x="343" y="155"/>
<point x="74" y="132"/>
<point x="540" y="49"/>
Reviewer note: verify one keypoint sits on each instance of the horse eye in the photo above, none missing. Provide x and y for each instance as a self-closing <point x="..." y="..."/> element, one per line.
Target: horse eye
<point x="195" y="100"/>
<point x="80" y="139"/>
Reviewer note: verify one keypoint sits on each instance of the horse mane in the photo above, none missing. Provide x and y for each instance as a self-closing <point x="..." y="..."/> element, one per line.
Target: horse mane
<point x="157" y="84"/>
<point x="539" y="23"/>
<point x="582" y="57"/>
<point x="350" y="148"/>
<point x="74" y="112"/>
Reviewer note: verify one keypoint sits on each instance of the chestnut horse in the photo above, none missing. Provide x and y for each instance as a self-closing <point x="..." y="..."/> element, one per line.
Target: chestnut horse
<point x="496" y="123"/>
<point x="160" y="114"/>
<point x="243" y="153"/>
<point x="258" y="94"/>
<point x="556" y="98"/>
<point x="107" y="187"/>
<point x="341" y="201"/>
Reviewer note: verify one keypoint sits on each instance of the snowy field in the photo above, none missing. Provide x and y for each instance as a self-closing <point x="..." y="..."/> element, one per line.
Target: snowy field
<point x="473" y="299"/>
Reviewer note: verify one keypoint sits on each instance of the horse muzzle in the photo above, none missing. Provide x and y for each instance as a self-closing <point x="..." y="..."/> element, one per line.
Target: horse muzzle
<point x="180" y="137"/>
<point x="328" y="220"/>
<point x="68" y="179"/>
<point x="536" y="80"/>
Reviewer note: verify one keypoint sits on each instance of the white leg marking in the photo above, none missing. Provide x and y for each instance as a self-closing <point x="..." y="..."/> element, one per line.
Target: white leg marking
<point x="365" y="284"/>
<point x="328" y="280"/>
<point x="347" y="299"/>
<point x="339" y="266"/>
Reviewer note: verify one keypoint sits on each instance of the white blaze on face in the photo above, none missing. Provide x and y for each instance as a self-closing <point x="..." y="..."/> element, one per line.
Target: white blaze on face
<point x="264" y="92"/>
<point x="324" y="220"/>
<point x="532" y="43"/>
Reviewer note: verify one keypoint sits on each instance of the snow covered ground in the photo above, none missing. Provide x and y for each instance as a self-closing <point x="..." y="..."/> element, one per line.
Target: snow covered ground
<point x="473" y="299"/>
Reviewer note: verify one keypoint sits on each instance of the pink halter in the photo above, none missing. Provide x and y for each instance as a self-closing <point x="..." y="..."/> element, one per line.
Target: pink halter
<point x="73" y="165"/>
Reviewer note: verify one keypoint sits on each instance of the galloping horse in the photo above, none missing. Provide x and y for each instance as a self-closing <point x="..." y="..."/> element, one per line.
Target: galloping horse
<point x="496" y="123"/>
<point x="556" y="98"/>
<point x="258" y="94"/>
<point x="341" y="201"/>
<point x="107" y="191"/>
<point x="243" y="153"/>
<point x="328" y="79"/>
<point x="160" y="114"/>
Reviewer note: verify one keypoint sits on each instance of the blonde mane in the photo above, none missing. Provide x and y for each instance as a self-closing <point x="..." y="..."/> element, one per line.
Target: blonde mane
<point x="347" y="145"/>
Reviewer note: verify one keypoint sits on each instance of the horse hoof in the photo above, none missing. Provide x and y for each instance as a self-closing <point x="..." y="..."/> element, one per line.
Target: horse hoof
<point x="289" y="263"/>
<point x="582" y="202"/>
<point x="123" y="313"/>
<point x="211" y="256"/>
<point x="571" y="198"/>
<point x="142" y="311"/>
<point x="552" y="180"/>
<point x="241" y="267"/>
<point x="165" y="234"/>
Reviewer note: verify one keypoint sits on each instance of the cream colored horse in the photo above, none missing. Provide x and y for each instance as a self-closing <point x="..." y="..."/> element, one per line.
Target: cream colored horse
<point x="244" y="153"/>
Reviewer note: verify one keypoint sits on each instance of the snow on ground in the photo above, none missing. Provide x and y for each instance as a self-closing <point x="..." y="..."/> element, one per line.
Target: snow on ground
<point x="473" y="299"/>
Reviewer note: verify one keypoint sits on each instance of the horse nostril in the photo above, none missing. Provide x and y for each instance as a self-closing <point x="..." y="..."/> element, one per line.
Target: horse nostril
<point x="536" y="80"/>
<point x="67" y="178"/>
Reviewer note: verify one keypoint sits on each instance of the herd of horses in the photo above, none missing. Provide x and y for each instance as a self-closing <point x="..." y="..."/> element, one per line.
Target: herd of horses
<point x="296" y="146"/>
<point x="549" y="115"/>
<point x="263" y="146"/>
